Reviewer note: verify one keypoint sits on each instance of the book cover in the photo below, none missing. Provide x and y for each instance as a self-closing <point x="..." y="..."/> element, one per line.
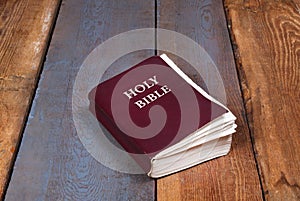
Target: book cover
<point x="150" y="107"/>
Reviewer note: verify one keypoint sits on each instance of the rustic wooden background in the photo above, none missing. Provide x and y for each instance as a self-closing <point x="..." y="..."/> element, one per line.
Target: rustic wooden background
<point x="255" y="44"/>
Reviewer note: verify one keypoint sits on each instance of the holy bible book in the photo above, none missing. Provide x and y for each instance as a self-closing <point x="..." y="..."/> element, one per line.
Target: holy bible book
<point x="165" y="121"/>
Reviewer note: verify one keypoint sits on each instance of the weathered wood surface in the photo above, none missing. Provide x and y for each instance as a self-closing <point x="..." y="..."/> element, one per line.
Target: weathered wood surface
<point x="52" y="163"/>
<point x="24" y="32"/>
<point x="267" y="38"/>
<point x="232" y="177"/>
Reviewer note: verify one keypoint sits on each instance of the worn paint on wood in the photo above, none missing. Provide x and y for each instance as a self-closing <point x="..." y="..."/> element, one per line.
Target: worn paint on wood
<point x="52" y="163"/>
<point x="232" y="177"/>
<point x="267" y="40"/>
<point x="53" y="159"/>
<point x="24" y="32"/>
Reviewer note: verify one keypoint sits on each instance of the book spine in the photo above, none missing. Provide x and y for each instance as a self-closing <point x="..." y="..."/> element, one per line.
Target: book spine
<point x="129" y="145"/>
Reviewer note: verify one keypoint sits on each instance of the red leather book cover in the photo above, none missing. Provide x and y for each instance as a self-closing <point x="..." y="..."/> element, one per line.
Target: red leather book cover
<point x="149" y="107"/>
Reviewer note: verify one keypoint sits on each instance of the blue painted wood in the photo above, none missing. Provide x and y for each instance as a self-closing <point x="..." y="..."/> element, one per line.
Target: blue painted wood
<point x="52" y="163"/>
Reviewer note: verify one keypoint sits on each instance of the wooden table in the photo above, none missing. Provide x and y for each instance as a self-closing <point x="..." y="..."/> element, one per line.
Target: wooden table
<point x="255" y="45"/>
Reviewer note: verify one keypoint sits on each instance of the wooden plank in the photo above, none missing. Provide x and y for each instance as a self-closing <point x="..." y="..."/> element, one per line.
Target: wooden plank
<point x="52" y="163"/>
<point x="24" y="32"/>
<point x="267" y="37"/>
<point x="232" y="177"/>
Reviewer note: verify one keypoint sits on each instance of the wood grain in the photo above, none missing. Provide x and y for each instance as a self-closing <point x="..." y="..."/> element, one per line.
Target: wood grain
<point x="267" y="41"/>
<point x="232" y="177"/>
<point x="24" y="32"/>
<point x="52" y="163"/>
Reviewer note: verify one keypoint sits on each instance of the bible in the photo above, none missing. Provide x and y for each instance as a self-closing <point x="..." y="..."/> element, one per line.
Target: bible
<point x="163" y="119"/>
